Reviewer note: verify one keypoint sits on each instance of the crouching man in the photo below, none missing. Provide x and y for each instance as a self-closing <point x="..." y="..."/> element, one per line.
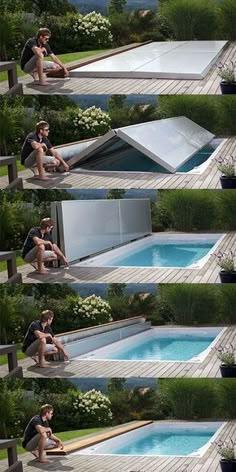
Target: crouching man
<point x="40" y="342"/>
<point x="38" y="153"/>
<point x="38" y="436"/>
<point x="39" y="247"/>
<point x="33" y="57"/>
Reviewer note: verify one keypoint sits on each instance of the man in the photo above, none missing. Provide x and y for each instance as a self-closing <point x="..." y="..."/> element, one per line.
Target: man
<point x="35" y="150"/>
<point x="32" y="57"/>
<point x="38" y="435"/>
<point x="34" y="249"/>
<point x="40" y="342"/>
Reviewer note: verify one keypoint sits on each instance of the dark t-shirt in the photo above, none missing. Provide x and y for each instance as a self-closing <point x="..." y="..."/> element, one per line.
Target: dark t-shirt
<point x="27" y="146"/>
<point x="30" y="336"/>
<point x="27" y="52"/>
<point x="31" y="431"/>
<point x="29" y="243"/>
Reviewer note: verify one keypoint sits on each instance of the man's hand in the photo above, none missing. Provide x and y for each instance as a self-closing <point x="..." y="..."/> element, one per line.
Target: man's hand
<point x="67" y="73"/>
<point x="60" y="444"/>
<point x="49" y="431"/>
<point x="44" y="147"/>
<point x="48" y="243"/>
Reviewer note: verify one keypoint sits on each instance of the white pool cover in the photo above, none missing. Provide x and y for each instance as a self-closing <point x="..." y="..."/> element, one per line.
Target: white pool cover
<point x="163" y="60"/>
<point x="169" y="142"/>
<point x="85" y="227"/>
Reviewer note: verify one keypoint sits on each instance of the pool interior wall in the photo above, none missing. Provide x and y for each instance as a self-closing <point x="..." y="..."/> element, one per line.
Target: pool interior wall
<point x="179" y="439"/>
<point x="129" y="253"/>
<point x="140" y="342"/>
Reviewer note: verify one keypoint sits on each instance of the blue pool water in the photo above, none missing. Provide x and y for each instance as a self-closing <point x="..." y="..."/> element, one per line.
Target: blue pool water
<point x="164" y="255"/>
<point x="179" y="443"/>
<point x="182" y="348"/>
<point x="124" y="158"/>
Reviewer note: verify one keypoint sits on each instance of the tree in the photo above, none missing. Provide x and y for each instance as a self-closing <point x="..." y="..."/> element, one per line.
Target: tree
<point x="116" y="385"/>
<point x="116" y="6"/>
<point x="53" y="7"/>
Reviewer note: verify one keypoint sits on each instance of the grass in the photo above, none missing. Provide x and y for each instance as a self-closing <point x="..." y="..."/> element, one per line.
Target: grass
<point x="64" y="436"/>
<point x="65" y="58"/>
<point x="3" y="169"/>
<point x="19" y="262"/>
<point x="20" y="356"/>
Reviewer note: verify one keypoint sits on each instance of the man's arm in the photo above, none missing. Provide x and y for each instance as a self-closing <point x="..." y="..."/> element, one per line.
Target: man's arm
<point x="37" y="51"/>
<point x="38" y="241"/>
<point x="41" y="429"/>
<point x="41" y="335"/>
<point x="57" y="61"/>
<point x="36" y="145"/>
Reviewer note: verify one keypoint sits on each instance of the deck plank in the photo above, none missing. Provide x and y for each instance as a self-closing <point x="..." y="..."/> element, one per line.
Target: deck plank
<point x="209" y="179"/>
<point x="90" y="368"/>
<point x="208" y="85"/>
<point x="209" y="462"/>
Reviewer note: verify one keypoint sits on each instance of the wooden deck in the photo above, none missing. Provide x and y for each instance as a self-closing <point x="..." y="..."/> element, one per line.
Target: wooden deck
<point x="209" y="367"/>
<point x="209" y="179"/>
<point x="209" y="462"/>
<point x="208" y="86"/>
<point x="209" y="273"/>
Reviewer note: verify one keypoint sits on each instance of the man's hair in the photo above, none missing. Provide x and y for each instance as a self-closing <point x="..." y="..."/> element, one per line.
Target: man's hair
<point x="46" y="315"/>
<point x="46" y="222"/>
<point x="41" y="125"/>
<point x="43" y="32"/>
<point x="45" y="409"/>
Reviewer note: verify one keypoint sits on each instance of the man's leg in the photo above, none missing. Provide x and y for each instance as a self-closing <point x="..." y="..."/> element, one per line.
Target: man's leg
<point x="60" y="348"/>
<point x="60" y="254"/>
<point x="61" y="161"/>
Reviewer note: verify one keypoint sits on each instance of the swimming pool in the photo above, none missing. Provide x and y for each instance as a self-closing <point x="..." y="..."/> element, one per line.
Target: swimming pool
<point x="153" y="344"/>
<point x="160" y="250"/>
<point x="124" y="158"/>
<point x="159" y="439"/>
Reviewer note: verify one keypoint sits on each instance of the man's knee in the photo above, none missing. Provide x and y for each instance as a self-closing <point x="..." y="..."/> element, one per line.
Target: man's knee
<point x="41" y="248"/>
<point x="42" y="340"/>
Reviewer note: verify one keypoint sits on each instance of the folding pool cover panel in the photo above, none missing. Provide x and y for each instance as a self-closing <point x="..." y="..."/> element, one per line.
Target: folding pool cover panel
<point x="169" y="143"/>
<point x="86" y="227"/>
<point x="162" y="60"/>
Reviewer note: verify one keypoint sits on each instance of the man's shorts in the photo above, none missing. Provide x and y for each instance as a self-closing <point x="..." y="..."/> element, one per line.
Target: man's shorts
<point x="34" y="347"/>
<point x="31" y="161"/>
<point x="30" y="66"/>
<point x="31" y="256"/>
<point x="32" y="445"/>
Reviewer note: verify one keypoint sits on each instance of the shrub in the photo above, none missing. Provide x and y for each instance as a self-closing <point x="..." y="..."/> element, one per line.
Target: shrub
<point x="188" y="210"/>
<point x="91" y="311"/>
<point x="191" y="19"/>
<point x="227" y="298"/>
<point x="227" y="213"/>
<point x="227" y="395"/>
<point x="91" y="122"/>
<point x="228" y="18"/>
<point x="93" y="29"/>
<point x="227" y="114"/>
<point x="119" y="307"/>
<point x="190" y="304"/>
<point x="94" y="409"/>
<point x="191" y="398"/>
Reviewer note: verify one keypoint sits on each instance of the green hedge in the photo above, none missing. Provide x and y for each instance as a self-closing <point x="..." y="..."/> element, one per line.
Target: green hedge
<point x="191" y="398"/>
<point x="191" y="19"/>
<point x="228" y="18"/>
<point x="216" y="114"/>
<point x="194" y="210"/>
<point x="190" y="304"/>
